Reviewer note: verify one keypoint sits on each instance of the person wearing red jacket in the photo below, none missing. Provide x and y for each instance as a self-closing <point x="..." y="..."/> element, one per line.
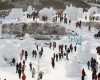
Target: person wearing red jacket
<point x="24" y="77"/>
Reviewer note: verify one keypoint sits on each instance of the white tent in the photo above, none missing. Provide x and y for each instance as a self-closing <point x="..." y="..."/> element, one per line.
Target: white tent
<point x="49" y="13"/>
<point x="73" y="68"/>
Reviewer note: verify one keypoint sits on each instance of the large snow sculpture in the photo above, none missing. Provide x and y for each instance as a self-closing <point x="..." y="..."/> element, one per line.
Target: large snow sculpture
<point x="73" y="68"/>
<point x="85" y="54"/>
<point x="7" y="52"/>
<point x="27" y="44"/>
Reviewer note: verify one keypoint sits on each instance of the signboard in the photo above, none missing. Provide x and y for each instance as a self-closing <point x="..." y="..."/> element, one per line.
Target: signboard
<point x="10" y="20"/>
<point x="76" y="39"/>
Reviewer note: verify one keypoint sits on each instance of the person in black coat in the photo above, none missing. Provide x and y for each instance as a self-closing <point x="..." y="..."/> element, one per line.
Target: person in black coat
<point x="17" y="67"/>
<point x="41" y="49"/>
<point x="53" y="63"/>
<point x="56" y="57"/>
<point x="19" y="73"/>
<point x="65" y="47"/>
<point x="20" y="65"/>
<point x="26" y="54"/>
<point x="83" y="74"/>
<point x="98" y="76"/>
<point x="13" y="61"/>
<point x="24" y="62"/>
<point x="88" y="64"/>
<point x="33" y="53"/>
<point x="37" y="47"/>
<point x="30" y="66"/>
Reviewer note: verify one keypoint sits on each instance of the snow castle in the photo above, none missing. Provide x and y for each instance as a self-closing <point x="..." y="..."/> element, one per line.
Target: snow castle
<point x="73" y="68"/>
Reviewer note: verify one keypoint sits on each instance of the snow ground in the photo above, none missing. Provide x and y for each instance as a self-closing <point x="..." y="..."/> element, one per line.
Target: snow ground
<point x="59" y="72"/>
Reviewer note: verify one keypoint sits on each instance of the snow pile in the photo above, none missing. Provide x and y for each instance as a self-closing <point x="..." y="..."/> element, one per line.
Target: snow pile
<point x="63" y="41"/>
<point x="8" y="52"/>
<point x="49" y="13"/>
<point x="27" y="44"/>
<point x="84" y="54"/>
<point x="73" y="68"/>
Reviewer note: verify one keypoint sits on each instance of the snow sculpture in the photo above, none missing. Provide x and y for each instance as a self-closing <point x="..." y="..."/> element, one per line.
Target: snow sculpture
<point x="93" y="10"/>
<point x="73" y="68"/>
<point x="29" y="10"/>
<point x="85" y="55"/>
<point x="27" y="44"/>
<point x="16" y="13"/>
<point x="8" y="52"/>
<point x="46" y="12"/>
<point x="71" y="12"/>
<point x="27" y="36"/>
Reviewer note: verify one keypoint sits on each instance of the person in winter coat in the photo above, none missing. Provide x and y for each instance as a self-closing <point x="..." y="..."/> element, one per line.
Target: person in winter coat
<point x="88" y="64"/>
<point x="50" y="44"/>
<point x="23" y="69"/>
<point x="40" y="54"/>
<point x="21" y="54"/>
<point x="71" y="47"/>
<point x="40" y="75"/>
<point x="24" y="62"/>
<point x="83" y="74"/>
<point x="35" y="52"/>
<point x="17" y="67"/>
<point x="37" y="47"/>
<point x="13" y="61"/>
<point x="41" y="49"/>
<point x="53" y="63"/>
<point x="98" y="76"/>
<point x="33" y="72"/>
<point x="54" y="45"/>
<point x="75" y="48"/>
<point x="30" y="66"/>
<point x="65" y="47"/>
<point x="24" y="77"/>
<point x="26" y="54"/>
<point x="68" y="50"/>
<point x="20" y="65"/>
<point x="19" y="73"/>
<point x="56" y="57"/>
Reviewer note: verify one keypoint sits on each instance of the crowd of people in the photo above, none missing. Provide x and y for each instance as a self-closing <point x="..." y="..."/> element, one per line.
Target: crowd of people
<point x="64" y="51"/>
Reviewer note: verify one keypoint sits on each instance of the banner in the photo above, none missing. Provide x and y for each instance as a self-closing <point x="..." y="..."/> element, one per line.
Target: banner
<point x="76" y="40"/>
